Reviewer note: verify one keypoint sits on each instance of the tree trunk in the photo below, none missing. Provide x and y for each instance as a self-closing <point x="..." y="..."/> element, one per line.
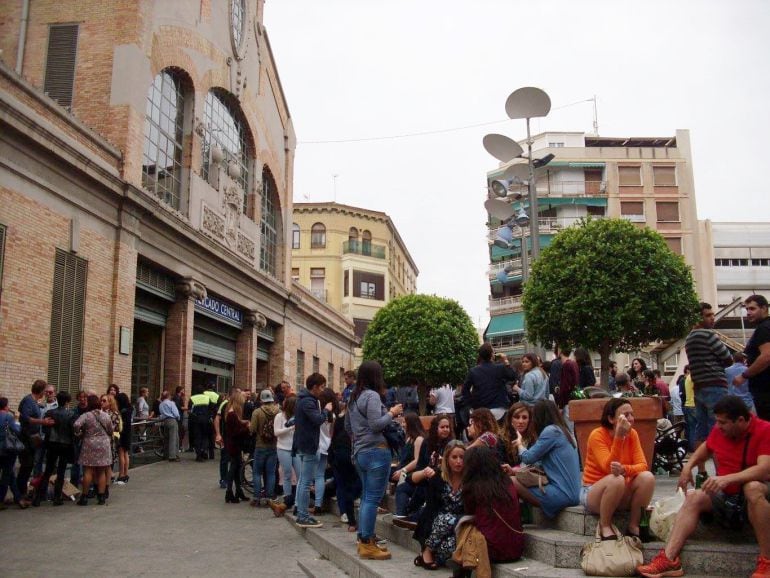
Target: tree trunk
<point x="423" y="390"/>
<point x="604" y="377"/>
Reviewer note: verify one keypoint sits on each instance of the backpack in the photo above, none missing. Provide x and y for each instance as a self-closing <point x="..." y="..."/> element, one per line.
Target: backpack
<point x="267" y="432"/>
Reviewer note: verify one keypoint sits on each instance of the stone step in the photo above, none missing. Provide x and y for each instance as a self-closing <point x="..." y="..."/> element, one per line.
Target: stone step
<point x="577" y="521"/>
<point x="318" y="568"/>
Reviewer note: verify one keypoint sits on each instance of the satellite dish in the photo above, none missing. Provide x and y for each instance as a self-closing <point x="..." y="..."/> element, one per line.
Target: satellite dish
<point x="528" y="102"/>
<point x="500" y="187"/>
<point x="522" y="219"/>
<point x="499" y="209"/>
<point x="502" y="277"/>
<point x="501" y="147"/>
<point x="504" y="237"/>
<point x="518" y="170"/>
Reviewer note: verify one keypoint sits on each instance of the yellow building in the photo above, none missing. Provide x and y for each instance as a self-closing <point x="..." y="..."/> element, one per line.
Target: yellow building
<point x="353" y="259"/>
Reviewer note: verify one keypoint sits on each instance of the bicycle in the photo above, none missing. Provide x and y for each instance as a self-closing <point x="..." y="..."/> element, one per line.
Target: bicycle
<point x="148" y="436"/>
<point x="247" y="476"/>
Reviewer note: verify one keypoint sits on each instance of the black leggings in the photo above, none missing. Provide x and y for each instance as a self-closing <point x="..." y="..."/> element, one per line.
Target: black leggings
<point x="234" y="475"/>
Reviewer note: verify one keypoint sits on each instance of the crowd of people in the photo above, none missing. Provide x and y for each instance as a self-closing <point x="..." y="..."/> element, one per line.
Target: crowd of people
<point x="495" y="446"/>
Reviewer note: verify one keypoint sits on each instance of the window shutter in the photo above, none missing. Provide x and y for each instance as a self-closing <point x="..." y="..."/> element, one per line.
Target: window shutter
<point x="667" y="211"/>
<point x="60" y="63"/>
<point x="65" y="357"/>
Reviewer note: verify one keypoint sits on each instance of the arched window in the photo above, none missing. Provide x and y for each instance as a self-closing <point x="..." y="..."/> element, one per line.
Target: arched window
<point x="270" y="224"/>
<point x="366" y="243"/>
<point x="163" y="137"/>
<point x="353" y="234"/>
<point x="318" y="236"/>
<point x="225" y="128"/>
<point x="295" y="236"/>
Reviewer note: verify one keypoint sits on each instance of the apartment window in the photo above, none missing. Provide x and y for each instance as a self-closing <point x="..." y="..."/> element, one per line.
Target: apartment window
<point x="366" y="243"/>
<point x="629" y="176"/>
<point x="318" y="236"/>
<point x="556" y="145"/>
<point x="225" y="128"/>
<point x="316" y="364"/>
<point x="754" y="263"/>
<point x="163" y="137"/>
<point x="346" y="283"/>
<point x="360" y="327"/>
<point x="68" y="307"/>
<point x="675" y="244"/>
<point x="295" y="236"/>
<point x="368" y="285"/>
<point x="667" y="212"/>
<point x="300" y="380"/>
<point x="330" y="375"/>
<point x="60" y="63"/>
<point x="269" y="225"/>
<point x="632" y="209"/>
<point x="318" y="282"/>
<point x="595" y="211"/>
<point x="353" y="234"/>
<point x="295" y="274"/>
<point x="663" y="176"/>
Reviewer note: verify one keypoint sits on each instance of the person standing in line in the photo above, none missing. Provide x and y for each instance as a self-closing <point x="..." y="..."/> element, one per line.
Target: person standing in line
<point x="170" y="416"/>
<point x="262" y="427"/>
<point x="76" y="470"/>
<point x="308" y="420"/>
<point x="7" y="479"/>
<point x="94" y="427"/>
<point x="365" y="421"/>
<point x="58" y="449"/>
<point x="742" y="391"/>
<point x="350" y="384"/>
<point x="758" y="356"/>
<point x="485" y="383"/>
<point x="236" y="432"/>
<point x="32" y="422"/>
<point x="124" y="443"/>
<point x="707" y="357"/>
<point x="283" y="427"/>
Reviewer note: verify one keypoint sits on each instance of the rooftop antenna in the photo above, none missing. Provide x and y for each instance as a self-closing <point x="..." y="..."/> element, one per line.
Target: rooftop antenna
<point x="334" y="184"/>
<point x="596" y="117"/>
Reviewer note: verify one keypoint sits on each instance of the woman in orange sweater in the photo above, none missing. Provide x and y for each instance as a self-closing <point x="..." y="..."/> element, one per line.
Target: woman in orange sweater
<point x="615" y="471"/>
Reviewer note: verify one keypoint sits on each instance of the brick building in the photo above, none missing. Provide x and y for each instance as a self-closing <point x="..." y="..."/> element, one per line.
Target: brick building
<point x="146" y="160"/>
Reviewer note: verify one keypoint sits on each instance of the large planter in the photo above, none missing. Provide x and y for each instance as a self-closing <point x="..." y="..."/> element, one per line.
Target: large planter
<point x="587" y="414"/>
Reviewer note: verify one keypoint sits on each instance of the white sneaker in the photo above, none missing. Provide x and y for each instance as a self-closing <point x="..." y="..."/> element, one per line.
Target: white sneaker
<point x="344" y="518"/>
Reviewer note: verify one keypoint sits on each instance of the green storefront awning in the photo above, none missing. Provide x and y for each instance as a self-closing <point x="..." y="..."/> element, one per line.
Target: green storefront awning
<point x="559" y="201"/>
<point x="505" y="325"/>
<point x="577" y="164"/>
<point x="498" y="253"/>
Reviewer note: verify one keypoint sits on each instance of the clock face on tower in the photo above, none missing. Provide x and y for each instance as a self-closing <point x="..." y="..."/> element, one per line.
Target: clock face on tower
<point x="237" y="23"/>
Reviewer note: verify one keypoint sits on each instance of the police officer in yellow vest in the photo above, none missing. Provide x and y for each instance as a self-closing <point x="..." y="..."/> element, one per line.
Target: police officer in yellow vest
<point x="204" y="404"/>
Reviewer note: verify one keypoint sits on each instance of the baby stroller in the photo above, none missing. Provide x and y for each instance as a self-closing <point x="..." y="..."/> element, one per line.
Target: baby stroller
<point x="670" y="448"/>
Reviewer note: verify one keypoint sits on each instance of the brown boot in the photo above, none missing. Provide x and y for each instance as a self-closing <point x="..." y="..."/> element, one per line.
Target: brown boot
<point x="370" y="551"/>
<point x="278" y="508"/>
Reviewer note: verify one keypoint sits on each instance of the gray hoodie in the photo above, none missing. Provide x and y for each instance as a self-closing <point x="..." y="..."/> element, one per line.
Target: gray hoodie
<point x="365" y="419"/>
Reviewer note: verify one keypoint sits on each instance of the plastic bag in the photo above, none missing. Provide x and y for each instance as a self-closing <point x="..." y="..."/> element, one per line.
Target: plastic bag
<point x="664" y="513"/>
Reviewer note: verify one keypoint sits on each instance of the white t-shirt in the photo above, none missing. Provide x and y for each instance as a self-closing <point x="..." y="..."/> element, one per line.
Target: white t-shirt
<point x="445" y="399"/>
<point x="284" y="435"/>
<point x="142" y="409"/>
<point x="676" y="400"/>
<point x="325" y="438"/>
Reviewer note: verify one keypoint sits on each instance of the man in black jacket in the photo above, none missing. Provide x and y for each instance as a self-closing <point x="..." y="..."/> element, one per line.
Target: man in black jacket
<point x="308" y="418"/>
<point x="485" y="383"/>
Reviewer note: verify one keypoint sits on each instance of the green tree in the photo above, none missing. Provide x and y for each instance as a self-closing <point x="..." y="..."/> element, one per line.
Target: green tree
<point x="608" y="285"/>
<point x="422" y="337"/>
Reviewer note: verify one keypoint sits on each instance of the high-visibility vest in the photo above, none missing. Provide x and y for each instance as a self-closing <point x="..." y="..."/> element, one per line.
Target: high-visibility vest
<point x="212" y="395"/>
<point x="200" y="400"/>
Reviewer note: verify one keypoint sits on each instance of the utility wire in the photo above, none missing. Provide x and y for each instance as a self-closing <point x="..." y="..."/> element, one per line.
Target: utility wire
<point x="426" y="132"/>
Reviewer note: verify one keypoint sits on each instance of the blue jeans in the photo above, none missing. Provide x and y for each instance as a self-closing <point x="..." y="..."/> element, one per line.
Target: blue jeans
<point x="373" y="467"/>
<point x="320" y="479"/>
<point x="265" y="460"/>
<point x="705" y="400"/>
<point x="287" y="464"/>
<point x="307" y="467"/>
<point x="690" y="426"/>
<point x="404" y="493"/>
<point x="7" y="478"/>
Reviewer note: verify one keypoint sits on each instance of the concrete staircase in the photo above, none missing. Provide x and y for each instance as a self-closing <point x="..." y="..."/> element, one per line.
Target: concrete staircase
<point x="552" y="548"/>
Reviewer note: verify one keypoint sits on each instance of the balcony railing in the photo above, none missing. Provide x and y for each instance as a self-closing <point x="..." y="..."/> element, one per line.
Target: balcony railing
<point x="566" y="189"/>
<point x="505" y="304"/>
<point x="364" y="248"/>
<point x="495" y="268"/>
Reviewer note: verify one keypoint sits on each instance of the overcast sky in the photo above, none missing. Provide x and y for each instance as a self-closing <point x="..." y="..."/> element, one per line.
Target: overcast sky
<point x="361" y="69"/>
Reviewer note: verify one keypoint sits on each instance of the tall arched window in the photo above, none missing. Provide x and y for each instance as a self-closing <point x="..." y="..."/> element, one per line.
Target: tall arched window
<point x="318" y="236"/>
<point x="295" y="236"/>
<point x="366" y="243"/>
<point x="353" y="234"/>
<point x="163" y="137"/>
<point x="270" y="224"/>
<point x="225" y="128"/>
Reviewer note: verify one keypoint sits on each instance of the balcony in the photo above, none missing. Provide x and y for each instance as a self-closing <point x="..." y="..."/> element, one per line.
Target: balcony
<point x="505" y="305"/>
<point x="364" y="248"/>
<point x="548" y="225"/>
<point x="566" y="189"/>
<point x="495" y="268"/>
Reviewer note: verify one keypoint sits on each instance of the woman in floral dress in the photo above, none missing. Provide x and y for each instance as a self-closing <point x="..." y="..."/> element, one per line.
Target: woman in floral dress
<point x="94" y="427"/>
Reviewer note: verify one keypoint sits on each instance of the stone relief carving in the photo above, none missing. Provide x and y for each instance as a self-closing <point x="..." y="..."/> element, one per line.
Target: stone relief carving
<point x="189" y="287"/>
<point x="255" y="318"/>
<point x="232" y="205"/>
<point x="246" y="246"/>
<point x="212" y="223"/>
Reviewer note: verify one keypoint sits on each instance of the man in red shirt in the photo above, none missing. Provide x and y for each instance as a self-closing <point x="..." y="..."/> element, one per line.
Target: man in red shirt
<point x="740" y="445"/>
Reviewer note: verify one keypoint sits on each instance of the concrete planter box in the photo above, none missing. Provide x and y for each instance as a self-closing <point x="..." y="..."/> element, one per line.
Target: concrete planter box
<point x="587" y="413"/>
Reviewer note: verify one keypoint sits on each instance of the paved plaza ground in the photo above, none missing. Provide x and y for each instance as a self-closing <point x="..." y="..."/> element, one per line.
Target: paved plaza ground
<point x="169" y="520"/>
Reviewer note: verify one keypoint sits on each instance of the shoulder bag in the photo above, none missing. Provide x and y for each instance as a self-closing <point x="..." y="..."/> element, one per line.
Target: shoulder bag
<point x="611" y="557"/>
<point x="12" y="445"/>
<point x="531" y="477"/>
<point x="394" y="434"/>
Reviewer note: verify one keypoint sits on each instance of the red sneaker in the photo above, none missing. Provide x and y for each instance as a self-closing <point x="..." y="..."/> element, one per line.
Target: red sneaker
<point x="763" y="568"/>
<point x="661" y="566"/>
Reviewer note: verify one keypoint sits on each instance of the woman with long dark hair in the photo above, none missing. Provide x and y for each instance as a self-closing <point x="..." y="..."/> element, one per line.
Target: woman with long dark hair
<point x="415" y="436"/>
<point x="556" y="451"/>
<point x="347" y="484"/>
<point x="436" y="527"/>
<point x="636" y="372"/>
<point x="365" y="421"/>
<point x="518" y="420"/>
<point x="94" y="427"/>
<point x="482" y="429"/>
<point x="533" y="384"/>
<point x="236" y="433"/>
<point x="586" y="376"/>
<point x="490" y="496"/>
<point x="616" y="475"/>
<point x="124" y="443"/>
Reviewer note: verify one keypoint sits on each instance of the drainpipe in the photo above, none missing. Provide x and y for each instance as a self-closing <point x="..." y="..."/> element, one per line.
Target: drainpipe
<point x="22" y="36"/>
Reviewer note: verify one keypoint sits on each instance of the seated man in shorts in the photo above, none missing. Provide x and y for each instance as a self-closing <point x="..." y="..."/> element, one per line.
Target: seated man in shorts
<point x="740" y="446"/>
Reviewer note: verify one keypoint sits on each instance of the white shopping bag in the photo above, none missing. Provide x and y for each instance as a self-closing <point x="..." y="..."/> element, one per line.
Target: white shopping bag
<point x="664" y="513"/>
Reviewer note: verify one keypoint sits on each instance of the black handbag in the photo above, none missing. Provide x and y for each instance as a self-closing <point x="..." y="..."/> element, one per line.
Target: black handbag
<point x="731" y="513"/>
<point x="12" y="445"/>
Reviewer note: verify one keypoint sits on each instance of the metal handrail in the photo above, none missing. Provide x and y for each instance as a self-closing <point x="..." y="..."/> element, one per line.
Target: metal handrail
<point x="505" y="304"/>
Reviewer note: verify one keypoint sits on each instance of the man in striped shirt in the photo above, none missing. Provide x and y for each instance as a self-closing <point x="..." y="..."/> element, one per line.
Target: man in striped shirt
<point x="707" y="357"/>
